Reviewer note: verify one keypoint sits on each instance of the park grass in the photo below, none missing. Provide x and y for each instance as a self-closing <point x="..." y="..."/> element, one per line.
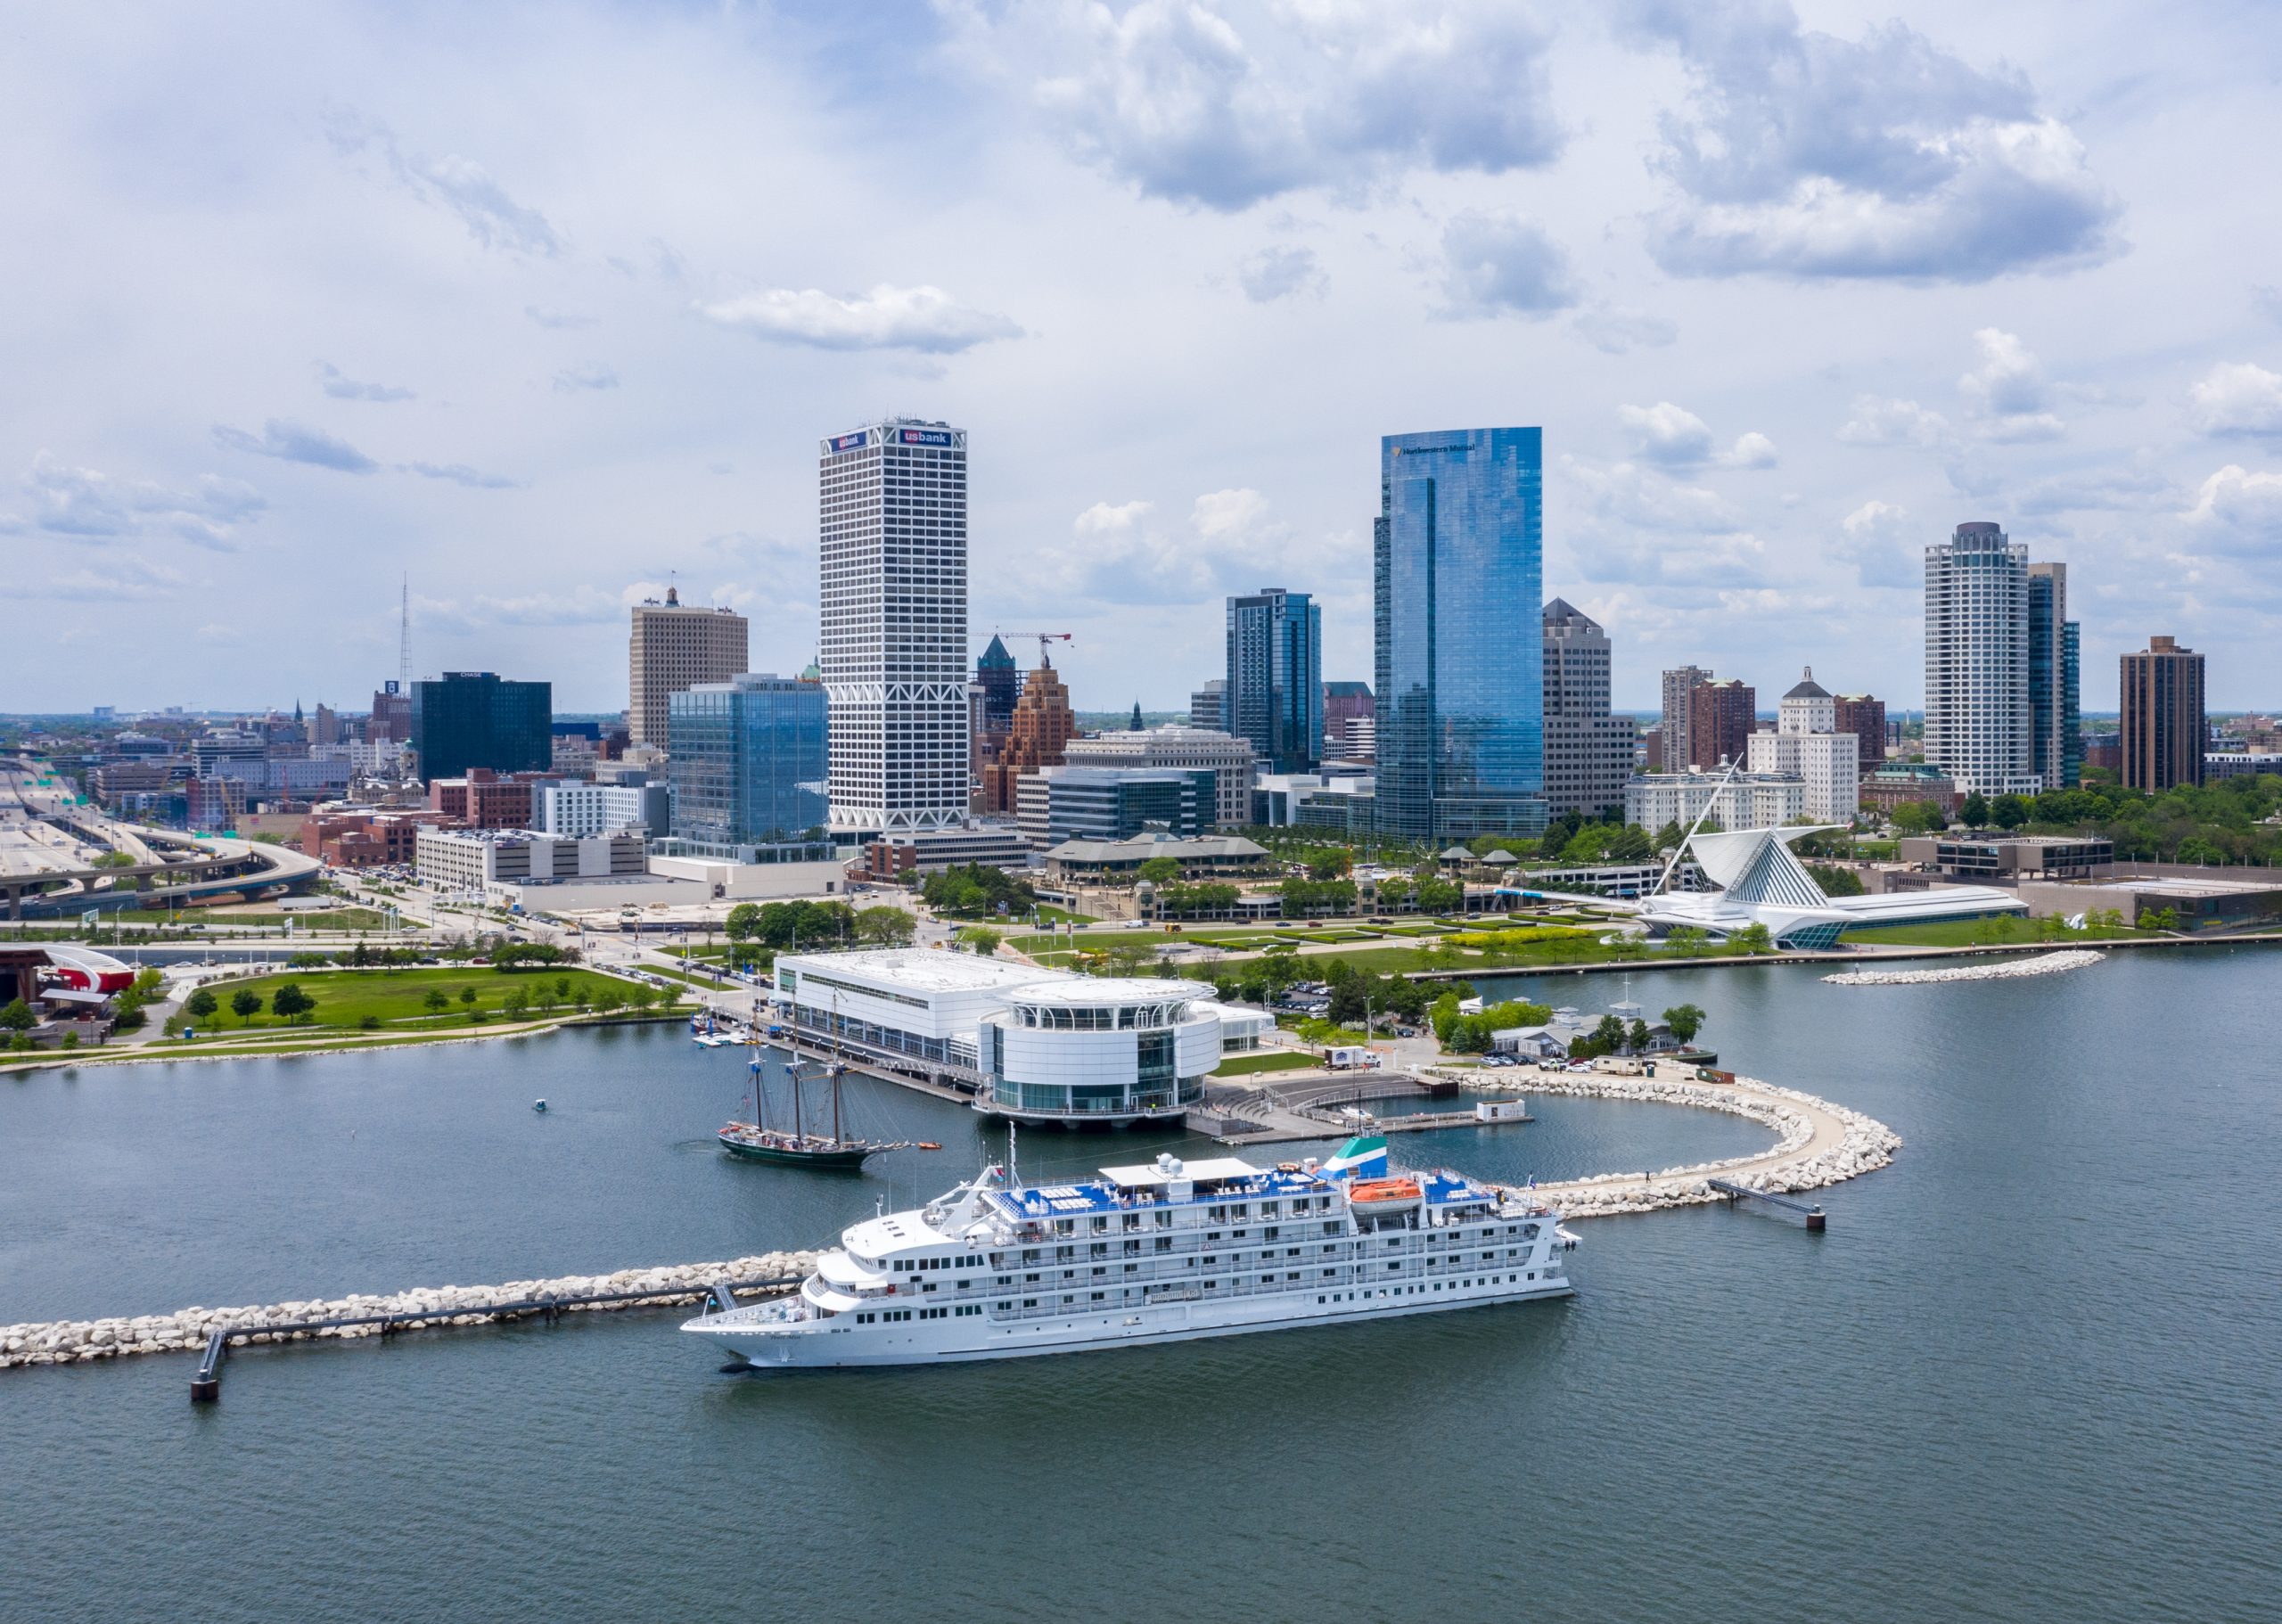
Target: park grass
<point x="1278" y="1060"/>
<point x="345" y="997"/>
<point x="328" y="919"/>
<point x="262" y="1044"/>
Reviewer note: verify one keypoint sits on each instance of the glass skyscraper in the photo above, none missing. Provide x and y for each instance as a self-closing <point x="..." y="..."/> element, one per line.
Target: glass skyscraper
<point x="473" y="718"/>
<point x="1274" y="691"/>
<point x="747" y="764"/>
<point x="1458" y="565"/>
<point x="2054" y="723"/>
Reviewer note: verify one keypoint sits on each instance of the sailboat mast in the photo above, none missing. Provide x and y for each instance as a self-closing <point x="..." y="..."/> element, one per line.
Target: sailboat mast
<point x="835" y="1107"/>
<point x="798" y="1130"/>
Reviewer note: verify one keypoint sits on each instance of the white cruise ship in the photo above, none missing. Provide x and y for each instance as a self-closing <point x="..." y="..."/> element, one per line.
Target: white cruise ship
<point x="1157" y="1253"/>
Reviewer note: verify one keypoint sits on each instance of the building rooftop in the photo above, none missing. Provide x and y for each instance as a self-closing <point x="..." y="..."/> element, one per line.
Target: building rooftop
<point x="923" y="969"/>
<point x="1142" y="848"/>
<point x="1090" y="989"/>
<point x="1807" y="687"/>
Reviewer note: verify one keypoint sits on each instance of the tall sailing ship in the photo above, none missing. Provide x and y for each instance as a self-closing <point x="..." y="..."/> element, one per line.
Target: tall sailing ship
<point x="1165" y="1251"/>
<point x="757" y="1141"/>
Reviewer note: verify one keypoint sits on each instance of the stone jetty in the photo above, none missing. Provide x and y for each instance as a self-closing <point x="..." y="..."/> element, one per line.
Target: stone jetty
<point x="2044" y="964"/>
<point x="1818" y="1144"/>
<point x="69" y="1341"/>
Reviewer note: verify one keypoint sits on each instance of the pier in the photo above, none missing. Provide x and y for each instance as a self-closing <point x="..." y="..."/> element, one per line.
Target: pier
<point x="1736" y="1192"/>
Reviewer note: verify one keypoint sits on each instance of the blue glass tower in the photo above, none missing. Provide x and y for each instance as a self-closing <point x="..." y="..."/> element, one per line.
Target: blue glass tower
<point x="747" y="765"/>
<point x="1457" y="564"/>
<point x="1274" y="691"/>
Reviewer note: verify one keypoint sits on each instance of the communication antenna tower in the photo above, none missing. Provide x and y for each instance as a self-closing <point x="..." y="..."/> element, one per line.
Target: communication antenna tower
<point x="403" y="636"/>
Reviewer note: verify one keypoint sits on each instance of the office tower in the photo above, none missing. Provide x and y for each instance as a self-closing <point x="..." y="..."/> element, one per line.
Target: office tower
<point x="893" y="523"/>
<point x="1181" y="749"/>
<point x="1679" y="688"/>
<point x="2163" y="725"/>
<point x="2057" y="735"/>
<point x="1720" y="718"/>
<point x="1977" y="722"/>
<point x="1001" y="681"/>
<point x="1459" y="542"/>
<point x="1866" y="718"/>
<point x="1342" y="703"/>
<point x="1275" y="677"/>
<point x="1208" y="707"/>
<point x="1808" y="744"/>
<point x="746" y="760"/>
<point x="1038" y="733"/>
<point x="1113" y="803"/>
<point x="392" y="717"/>
<point x="1587" y="751"/>
<point x="675" y="646"/>
<point x="472" y="719"/>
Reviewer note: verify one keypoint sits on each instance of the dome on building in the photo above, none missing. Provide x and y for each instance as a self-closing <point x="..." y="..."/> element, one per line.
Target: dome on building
<point x="1808" y="687"/>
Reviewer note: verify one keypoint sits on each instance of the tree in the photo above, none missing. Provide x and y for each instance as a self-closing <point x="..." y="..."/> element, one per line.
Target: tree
<point x="436" y="1003"/>
<point x="517" y="1004"/>
<point x="1686" y="1020"/>
<point x="467" y="997"/>
<point x="744" y="922"/>
<point x="1636" y="1036"/>
<point x="610" y="1000"/>
<point x="884" y="926"/>
<point x="642" y="995"/>
<point x="1608" y="1036"/>
<point x="2009" y="811"/>
<point x="245" y="1003"/>
<point x="1158" y="871"/>
<point x="290" y="1003"/>
<point x="1975" y="810"/>
<point x="1752" y="939"/>
<point x="199" y="1005"/>
<point x="17" y="1016"/>
<point x="1669" y="837"/>
<point x="982" y="941"/>
<point x="562" y="989"/>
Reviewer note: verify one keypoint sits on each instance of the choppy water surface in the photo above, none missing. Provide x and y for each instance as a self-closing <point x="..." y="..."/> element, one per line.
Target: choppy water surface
<point x="2032" y="1372"/>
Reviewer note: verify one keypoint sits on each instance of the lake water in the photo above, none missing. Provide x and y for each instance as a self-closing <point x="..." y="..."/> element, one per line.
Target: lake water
<point x="2033" y="1371"/>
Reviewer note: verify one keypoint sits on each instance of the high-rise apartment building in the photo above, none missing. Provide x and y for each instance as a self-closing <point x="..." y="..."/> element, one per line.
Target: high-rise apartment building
<point x="1587" y="751"/>
<point x="1208" y="706"/>
<point x="1275" y="677"/>
<point x="467" y="719"/>
<point x="675" y="646"/>
<point x="1458" y="541"/>
<point x="1679" y="690"/>
<point x="1864" y="718"/>
<point x="1041" y="729"/>
<point x="2165" y="725"/>
<point x="2056" y="729"/>
<point x="1978" y="727"/>
<point x="1721" y="719"/>
<point x="893" y="597"/>
<point x="746" y="761"/>
<point x="1808" y="744"/>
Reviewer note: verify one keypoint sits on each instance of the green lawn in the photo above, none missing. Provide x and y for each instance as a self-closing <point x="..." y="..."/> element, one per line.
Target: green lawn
<point x="1275" y="1060"/>
<point x="325" y="919"/>
<point x="344" y="998"/>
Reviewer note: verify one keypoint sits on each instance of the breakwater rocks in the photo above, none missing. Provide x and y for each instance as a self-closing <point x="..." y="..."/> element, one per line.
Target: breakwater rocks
<point x="2044" y="964"/>
<point x="70" y="1341"/>
<point x="1820" y="1143"/>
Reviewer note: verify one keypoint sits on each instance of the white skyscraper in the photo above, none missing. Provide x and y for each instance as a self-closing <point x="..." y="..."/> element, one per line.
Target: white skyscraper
<point x="893" y="523"/>
<point x="1807" y="745"/>
<point x="1978" y="727"/>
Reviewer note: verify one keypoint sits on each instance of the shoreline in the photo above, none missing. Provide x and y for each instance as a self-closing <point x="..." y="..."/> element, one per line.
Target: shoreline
<point x="1821" y="1143"/>
<point x="350" y="1043"/>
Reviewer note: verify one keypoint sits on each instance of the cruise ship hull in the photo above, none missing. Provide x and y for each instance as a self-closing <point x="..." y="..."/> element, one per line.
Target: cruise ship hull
<point x="947" y="1342"/>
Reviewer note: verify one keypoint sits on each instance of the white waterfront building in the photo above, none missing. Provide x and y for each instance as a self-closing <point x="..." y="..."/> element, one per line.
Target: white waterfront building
<point x="1979" y="728"/>
<point x="1098" y="1049"/>
<point x="1035" y="1044"/>
<point x="893" y="623"/>
<point x="1807" y="745"/>
<point x="1740" y="800"/>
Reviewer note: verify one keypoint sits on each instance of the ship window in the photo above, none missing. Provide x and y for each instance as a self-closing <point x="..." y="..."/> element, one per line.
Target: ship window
<point x="1005" y="1280"/>
<point x="1030" y="1302"/>
<point x="1239" y="1235"/>
<point x="1030" y="1279"/>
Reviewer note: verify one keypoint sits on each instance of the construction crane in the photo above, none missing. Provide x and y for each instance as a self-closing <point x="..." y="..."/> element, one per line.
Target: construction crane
<point x="1043" y="639"/>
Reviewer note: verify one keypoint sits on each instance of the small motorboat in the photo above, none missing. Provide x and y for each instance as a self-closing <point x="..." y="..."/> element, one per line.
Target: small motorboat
<point x="538" y="1104"/>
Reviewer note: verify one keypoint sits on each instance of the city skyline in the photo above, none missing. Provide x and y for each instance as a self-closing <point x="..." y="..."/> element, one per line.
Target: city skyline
<point x="543" y="356"/>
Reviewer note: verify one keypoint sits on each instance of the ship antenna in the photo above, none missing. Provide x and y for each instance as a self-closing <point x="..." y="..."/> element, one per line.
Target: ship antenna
<point x="1013" y="1172"/>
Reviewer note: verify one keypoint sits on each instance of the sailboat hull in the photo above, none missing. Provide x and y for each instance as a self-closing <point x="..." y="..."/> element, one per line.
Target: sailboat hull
<point x="841" y="1158"/>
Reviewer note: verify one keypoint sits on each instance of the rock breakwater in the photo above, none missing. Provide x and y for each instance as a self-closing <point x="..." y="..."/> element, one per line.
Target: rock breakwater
<point x="70" y="1341"/>
<point x="2044" y="964"/>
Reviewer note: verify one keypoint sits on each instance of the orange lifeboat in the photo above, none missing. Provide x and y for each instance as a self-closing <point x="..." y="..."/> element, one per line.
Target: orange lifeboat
<point x="1384" y="1194"/>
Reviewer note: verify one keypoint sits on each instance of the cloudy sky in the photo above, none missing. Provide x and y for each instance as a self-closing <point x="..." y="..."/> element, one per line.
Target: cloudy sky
<point x="545" y="306"/>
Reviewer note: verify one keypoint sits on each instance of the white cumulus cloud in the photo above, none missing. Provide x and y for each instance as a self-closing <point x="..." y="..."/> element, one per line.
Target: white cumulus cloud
<point x="921" y="318"/>
<point x="1504" y="264"/>
<point x="2237" y="397"/>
